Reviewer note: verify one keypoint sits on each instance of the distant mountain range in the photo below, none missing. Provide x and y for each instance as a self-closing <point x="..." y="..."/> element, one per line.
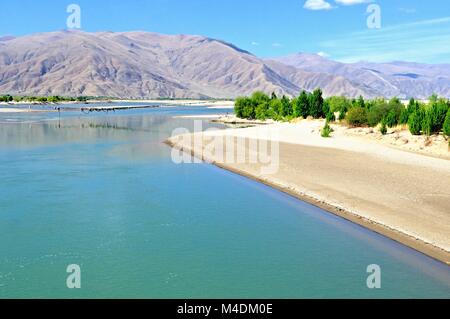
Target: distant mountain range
<point x="151" y="65"/>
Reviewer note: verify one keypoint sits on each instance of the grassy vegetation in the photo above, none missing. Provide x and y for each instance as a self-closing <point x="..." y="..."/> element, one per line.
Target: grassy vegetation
<point x="326" y="131"/>
<point x="422" y="118"/>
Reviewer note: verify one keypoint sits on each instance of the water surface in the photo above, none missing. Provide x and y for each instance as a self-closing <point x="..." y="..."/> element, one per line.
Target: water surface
<point x="101" y="191"/>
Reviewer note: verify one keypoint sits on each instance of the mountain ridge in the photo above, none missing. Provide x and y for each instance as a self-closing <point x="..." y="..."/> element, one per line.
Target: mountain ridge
<point x="139" y="64"/>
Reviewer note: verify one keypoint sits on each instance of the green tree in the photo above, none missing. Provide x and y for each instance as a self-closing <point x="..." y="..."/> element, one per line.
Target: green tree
<point x="245" y="108"/>
<point x="361" y="102"/>
<point x="286" y="109"/>
<point x="435" y="117"/>
<point x="325" y="108"/>
<point x="338" y="103"/>
<point x="275" y="110"/>
<point x="316" y="104"/>
<point x="406" y="112"/>
<point x="415" y="121"/>
<point x="259" y="97"/>
<point x="357" y="116"/>
<point x="378" y="110"/>
<point x="446" y="127"/>
<point x="330" y="117"/>
<point x="391" y="119"/>
<point x="433" y="98"/>
<point x="262" y="111"/>
<point x="383" y="128"/>
<point x="301" y="107"/>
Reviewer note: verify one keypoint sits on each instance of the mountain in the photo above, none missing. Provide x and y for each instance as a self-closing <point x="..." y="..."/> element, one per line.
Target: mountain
<point x="402" y="79"/>
<point x="145" y="65"/>
<point x="152" y="65"/>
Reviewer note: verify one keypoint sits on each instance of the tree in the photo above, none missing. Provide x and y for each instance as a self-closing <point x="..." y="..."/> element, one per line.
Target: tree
<point x="239" y="106"/>
<point x="391" y="119"/>
<point x="301" y="107"/>
<point x="378" y="110"/>
<point x="243" y="107"/>
<point x="325" y="108"/>
<point x="338" y="104"/>
<point x="435" y="117"/>
<point x="286" y="109"/>
<point x="262" y="111"/>
<point x="357" y="116"/>
<point x="275" y="110"/>
<point x="383" y="128"/>
<point x="259" y="97"/>
<point x="330" y="117"/>
<point x="433" y="98"/>
<point x="415" y="121"/>
<point x="361" y="102"/>
<point x="407" y="111"/>
<point x="446" y="127"/>
<point x="316" y="104"/>
<point x="395" y="110"/>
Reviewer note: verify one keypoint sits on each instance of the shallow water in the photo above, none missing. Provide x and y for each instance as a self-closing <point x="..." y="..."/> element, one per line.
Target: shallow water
<point x="101" y="191"/>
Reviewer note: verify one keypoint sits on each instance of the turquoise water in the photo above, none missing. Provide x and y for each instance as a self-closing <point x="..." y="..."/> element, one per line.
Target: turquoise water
<point x="101" y="191"/>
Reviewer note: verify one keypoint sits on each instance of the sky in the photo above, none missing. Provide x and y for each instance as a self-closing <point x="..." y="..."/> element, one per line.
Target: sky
<point x="343" y="30"/>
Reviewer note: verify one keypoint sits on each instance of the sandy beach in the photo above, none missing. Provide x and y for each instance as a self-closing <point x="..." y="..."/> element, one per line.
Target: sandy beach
<point x="388" y="188"/>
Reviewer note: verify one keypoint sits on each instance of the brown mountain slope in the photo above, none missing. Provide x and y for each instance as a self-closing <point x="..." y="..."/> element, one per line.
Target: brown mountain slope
<point x="148" y="65"/>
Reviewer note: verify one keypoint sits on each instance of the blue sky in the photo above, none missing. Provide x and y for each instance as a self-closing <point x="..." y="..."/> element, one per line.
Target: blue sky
<point x="411" y="30"/>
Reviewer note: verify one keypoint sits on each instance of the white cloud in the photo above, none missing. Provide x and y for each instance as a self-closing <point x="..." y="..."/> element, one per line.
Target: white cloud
<point x="255" y="43"/>
<point x="276" y="45"/>
<point x="351" y="2"/>
<point x="323" y="54"/>
<point x="420" y="41"/>
<point x="317" y="5"/>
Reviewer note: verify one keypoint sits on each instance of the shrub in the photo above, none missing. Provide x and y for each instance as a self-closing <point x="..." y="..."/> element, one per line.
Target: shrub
<point x="415" y="121"/>
<point x="357" y="116"/>
<point x="326" y="131"/>
<point x="391" y="119"/>
<point x="446" y="127"/>
<point x="243" y="108"/>
<point x="404" y="116"/>
<point x="377" y="112"/>
<point x="262" y="111"/>
<point x="383" y="128"/>
<point x="275" y="109"/>
<point x="259" y="97"/>
<point x="338" y="104"/>
<point x="331" y="117"/>
<point x="435" y="117"/>
<point x="406" y="112"/>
